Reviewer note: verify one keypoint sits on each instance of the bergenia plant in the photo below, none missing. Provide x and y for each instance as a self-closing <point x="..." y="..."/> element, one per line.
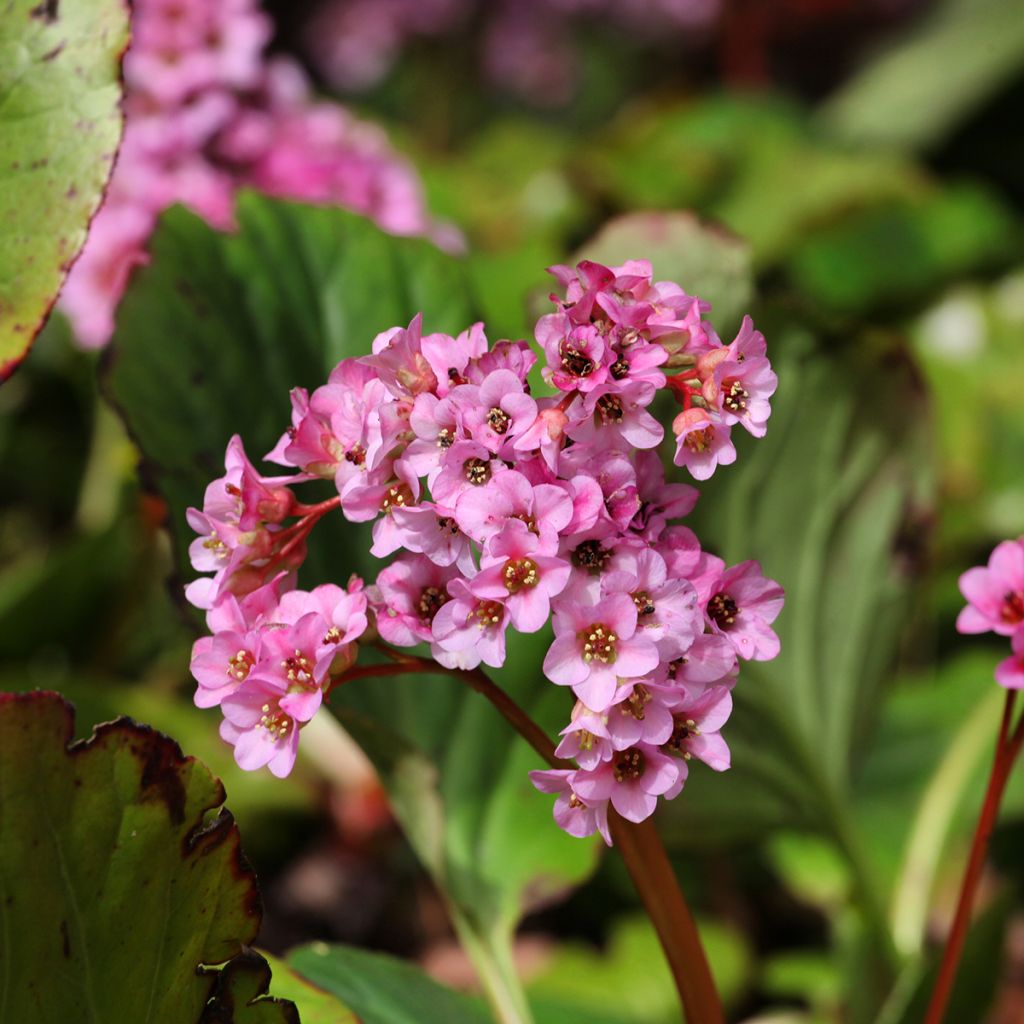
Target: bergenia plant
<point x="501" y="510"/>
<point x="995" y="603"/>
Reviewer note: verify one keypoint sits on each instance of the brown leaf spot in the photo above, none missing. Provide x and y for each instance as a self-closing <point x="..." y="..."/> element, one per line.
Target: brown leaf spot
<point x="45" y="11"/>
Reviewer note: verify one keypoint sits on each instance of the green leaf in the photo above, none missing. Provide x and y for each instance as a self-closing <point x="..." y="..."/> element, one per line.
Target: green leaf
<point x="315" y="1006"/>
<point x="213" y="333"/>
<point x="823" y="501"/>
<point x="922" y="87"/>
<point x="60" y="123"/>
<point x="932" y="752"/>
<point x="704" y="259"/>
<point x="240" y="996"/>
<point x="894" y="254"/>
<point x="116" y="875"/>
<point x="381" y="989"/>
<point x="580" y="981"/>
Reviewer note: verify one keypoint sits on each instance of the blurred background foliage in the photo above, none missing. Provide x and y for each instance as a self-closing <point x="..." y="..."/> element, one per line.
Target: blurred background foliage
<point x="852" y="176"/>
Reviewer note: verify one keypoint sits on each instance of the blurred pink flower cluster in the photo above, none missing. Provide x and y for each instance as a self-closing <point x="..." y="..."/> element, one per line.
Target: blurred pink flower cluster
<point x="528" y="46"/>
<point x="504" y="510"/>
<point x="995" y="603"/>
<point x="207" y="113"/>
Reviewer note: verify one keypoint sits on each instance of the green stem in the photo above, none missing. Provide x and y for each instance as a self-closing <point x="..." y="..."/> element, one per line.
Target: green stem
<point x="496" y="971"/>
<point x="926" y="843"/>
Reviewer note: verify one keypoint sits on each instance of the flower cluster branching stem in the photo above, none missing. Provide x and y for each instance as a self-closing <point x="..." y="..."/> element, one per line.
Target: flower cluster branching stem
<point x="1008" y="747"/>
<point x="640" y="845"/>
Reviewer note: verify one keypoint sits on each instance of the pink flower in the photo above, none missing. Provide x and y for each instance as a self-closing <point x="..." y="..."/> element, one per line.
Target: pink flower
<point x="618" y="418"/>
<point x="995" y="594"/>
<point x="260" y="726"/>
<point x="595" y="646"/>
<point x="702" y="443"/>
<point x="116" y="244"/>
<point x="571" y="813"/>
<point x="411" y="592"/>
<point x="430" y="529"/>
<point x="471" y="627"/>
<point x="1010" y="672"/>
<point x="742" y="606"/>
<point x="514" y="570"/>
<point x="464" y="466"/>
<point x="698" y="714"/>
<point x="497" y="411"/>
<point x="575" y="354"/>
<point x="667" y="609"/>
<point x="483" y="512"/>
<point x="565" y="507"/>
<point x="546" y="434"/>
<point x="642" y="716"/>
<point x="740" y="386"/>
<point x="586" y="738"/>
<point x="632" y="780"/>
<point x="450" y="357"/>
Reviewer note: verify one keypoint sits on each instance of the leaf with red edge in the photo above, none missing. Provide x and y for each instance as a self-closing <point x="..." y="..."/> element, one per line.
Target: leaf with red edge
<point x="60" y="126"/>
<point x="121" y="873"/>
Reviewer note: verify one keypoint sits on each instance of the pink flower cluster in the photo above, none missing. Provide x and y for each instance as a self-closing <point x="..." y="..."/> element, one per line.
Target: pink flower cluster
<point x="530" y="47"/>
<point x="505" y="510"/>
<point x="995" y="603"/>
<point x="206" y="113"/>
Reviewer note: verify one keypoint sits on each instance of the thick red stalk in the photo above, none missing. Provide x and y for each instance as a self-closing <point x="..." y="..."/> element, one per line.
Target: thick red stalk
<point x="1007" y="749"/>
<point x="639" y="845"/>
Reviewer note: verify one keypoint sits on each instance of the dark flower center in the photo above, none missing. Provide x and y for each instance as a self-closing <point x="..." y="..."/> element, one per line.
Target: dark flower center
<point x="1012" y="610"/>
<point x="498" y="420"/>
<point x="636" y="703"/>
<point x="629" y="765"/>
<point x="734" y="396"/>
<point x="644" y="605"/>
<point x="598" y="644"/>
<point x="239" y="665"/>
<point x="609" y="408"/>
<point x="477" y="471"/>
<point x="723" y="610"/>
<point x="699" y="440"/>
<point x="520" y="573"/>
<point x="591" y="556"/>
<point x="430" y="602"/>
<point x="396" y="497"/>
<point x="576" y="363"/>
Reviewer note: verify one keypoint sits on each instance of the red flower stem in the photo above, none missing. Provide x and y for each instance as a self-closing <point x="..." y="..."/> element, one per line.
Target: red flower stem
<point x="1007" y="749"/>
<point x="647" y="862"/>
<point x="639" y="845"/>
<point x="319" y="509"/>
<point x="566" y="401"/>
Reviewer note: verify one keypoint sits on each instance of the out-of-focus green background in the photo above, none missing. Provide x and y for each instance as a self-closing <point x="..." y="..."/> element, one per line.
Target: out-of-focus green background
<point x="853" y="175"/>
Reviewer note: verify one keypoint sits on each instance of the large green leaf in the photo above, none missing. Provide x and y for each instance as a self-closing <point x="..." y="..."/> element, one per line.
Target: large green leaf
<point x="117" y="879"/>
<point x="214" y="332"/>
<point x="381" y="989"/>
<point x="60" y="125"/>
<point x="823" y="502"/>
<point x="240" y="996"/>
<point x="210" y="337"/>
<point x="924" y="85"/>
